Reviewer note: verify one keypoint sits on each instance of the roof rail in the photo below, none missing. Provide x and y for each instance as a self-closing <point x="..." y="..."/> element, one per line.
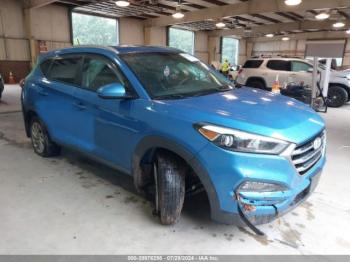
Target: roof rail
<point x="276" y="56"/>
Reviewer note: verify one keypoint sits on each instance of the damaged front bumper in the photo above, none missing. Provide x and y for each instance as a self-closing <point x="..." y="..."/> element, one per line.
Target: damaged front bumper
<point x="228" y="203"/>
<point x="261" y="208"/>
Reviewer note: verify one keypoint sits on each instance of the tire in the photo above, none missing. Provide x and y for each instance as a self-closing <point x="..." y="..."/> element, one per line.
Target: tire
<point x="41" y="142"/>
<point x="169" y="174"/>
<point x="256" y="84"/>
<point x="337" y="96"/>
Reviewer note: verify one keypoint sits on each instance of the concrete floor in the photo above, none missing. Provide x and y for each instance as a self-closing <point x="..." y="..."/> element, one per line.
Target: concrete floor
<point x="71" y="205"/>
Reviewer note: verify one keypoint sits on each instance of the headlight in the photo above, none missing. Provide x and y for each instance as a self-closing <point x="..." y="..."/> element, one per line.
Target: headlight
<point x="240" y="141"/>
<point x="251" y="186"/>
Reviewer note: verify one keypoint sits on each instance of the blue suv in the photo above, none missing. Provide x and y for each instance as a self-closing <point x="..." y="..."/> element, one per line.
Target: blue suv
<point x="178" y="127"/>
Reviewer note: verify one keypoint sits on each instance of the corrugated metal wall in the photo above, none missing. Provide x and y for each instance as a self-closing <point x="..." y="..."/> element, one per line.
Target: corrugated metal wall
<point x="14" y="49"/>
<point x="291" y="48"/>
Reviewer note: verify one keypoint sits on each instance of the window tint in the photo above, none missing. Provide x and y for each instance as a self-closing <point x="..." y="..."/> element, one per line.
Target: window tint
<point x="45" y="66"/>
<point x="99" y="71"/>
<point x="174" y="75"/>
<point x="253" y="64"/>
<point x="279" y="65"/>
<point x="298" y="66"/>
<point x="65" y="70"/>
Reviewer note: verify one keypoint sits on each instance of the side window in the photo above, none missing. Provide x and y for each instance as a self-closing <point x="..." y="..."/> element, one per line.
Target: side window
<point x="279" y="65"/>
<point x="253" y="63"/>
<point x="65" y="70"/>
<point x="99" y="71"/>
<point x="45" y="66"/>
<point x="298" y="66"/>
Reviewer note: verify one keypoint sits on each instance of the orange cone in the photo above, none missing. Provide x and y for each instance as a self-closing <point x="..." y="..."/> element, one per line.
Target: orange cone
<point x="11" y="79"/>
<point x="276" y="85"/>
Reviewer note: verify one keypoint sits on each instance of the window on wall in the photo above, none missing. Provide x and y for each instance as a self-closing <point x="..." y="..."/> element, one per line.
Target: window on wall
<point x="229" y="50"/>
<point x="94" y="30"/>
<point x="181" y="39"/>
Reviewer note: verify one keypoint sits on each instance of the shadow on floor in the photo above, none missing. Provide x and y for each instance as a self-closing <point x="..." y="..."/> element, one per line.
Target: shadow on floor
<point x="196" y="208"/>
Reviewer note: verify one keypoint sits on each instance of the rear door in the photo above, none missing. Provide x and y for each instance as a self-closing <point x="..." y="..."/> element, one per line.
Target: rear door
<point x="279" y="69"/>
<point x="54" y="91"/>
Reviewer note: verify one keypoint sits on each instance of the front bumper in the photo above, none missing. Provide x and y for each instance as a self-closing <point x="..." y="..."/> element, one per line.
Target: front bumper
<point x="228" y="170"/>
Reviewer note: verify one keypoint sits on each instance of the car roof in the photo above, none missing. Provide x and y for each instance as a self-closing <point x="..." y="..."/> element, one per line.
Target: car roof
<point x="279" y="58"/>
<point x="122" y="49"/>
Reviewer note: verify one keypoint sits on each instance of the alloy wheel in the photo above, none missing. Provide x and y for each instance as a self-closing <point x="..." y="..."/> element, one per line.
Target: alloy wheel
<point x="38" y="137"/>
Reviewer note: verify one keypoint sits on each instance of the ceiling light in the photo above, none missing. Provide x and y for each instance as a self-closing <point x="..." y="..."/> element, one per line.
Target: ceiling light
<point x="286" y="38"/>
<point x="338" y="25"/>
<point x="348" y="31"/>
<point x="292" y="2"/>
<point x="269" y="35"/>
<point x="322" y="16"/>
<point x="178" y="15"/>
<point x="220" y="24"/>
<point x="122" y="3"/>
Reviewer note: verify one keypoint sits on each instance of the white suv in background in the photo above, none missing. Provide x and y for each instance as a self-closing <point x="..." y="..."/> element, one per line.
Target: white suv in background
<point x="262" y="73"/>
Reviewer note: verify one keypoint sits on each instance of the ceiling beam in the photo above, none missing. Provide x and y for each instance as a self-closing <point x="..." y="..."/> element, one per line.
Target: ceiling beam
<point x="281" y="27"/>
<point x="39" y="3"/>
<point x="266" y="18"/>
<point x="305" y="36"/>
<point x="286" y="15"/>
<point x="249" y="8"/>
<point x="215" y="2"/>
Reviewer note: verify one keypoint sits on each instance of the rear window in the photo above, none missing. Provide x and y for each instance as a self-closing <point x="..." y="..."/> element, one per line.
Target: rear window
<point x="279" y="65"/>
<point x="253" y="64"/>
<point x="65" y="70"/>
<point x="45" y="66"/>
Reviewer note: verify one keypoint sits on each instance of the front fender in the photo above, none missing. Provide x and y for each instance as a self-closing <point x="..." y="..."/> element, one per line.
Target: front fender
<point x="152" y="142"/>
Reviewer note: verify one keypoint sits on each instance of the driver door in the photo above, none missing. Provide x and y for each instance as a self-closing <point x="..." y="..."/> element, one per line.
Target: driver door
<point x="109" y="122"/>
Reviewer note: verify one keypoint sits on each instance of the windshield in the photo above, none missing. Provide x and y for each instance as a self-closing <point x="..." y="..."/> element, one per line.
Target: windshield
<point x="175" y="75"/>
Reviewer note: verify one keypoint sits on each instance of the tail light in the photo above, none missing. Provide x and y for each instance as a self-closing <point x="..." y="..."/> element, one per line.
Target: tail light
<point x="240" y="71"/>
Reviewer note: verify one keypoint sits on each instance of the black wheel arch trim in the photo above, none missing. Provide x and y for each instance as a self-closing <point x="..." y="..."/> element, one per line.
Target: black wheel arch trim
<point x="347" y="88"/>
<point x="153" y="141"/>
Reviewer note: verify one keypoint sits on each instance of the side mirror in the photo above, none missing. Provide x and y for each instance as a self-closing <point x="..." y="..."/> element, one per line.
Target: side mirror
<point x="112" y="91"/>
<point x="310" y="70"/>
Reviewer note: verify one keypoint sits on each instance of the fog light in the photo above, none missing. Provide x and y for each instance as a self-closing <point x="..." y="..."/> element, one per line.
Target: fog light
<point x="251" y="186"/>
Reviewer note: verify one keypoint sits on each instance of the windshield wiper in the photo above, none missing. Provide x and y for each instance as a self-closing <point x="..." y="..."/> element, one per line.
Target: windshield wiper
<point x="204" y="92"/>
<point x="171" y="96"/>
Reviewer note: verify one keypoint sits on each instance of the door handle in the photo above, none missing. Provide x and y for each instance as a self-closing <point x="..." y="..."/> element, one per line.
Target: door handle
<point x="80" y="106"/>
<point x="42" y="92"/>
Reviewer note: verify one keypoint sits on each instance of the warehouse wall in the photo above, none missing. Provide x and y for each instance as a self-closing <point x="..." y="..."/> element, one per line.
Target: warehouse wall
<point x="50" y="23"/>
<point x="14" y="48"/>
<point x="155" y="36"/>
<point x="291" y="48"/>
<point x="201" y="46"/>
<point x="131" y="31"/>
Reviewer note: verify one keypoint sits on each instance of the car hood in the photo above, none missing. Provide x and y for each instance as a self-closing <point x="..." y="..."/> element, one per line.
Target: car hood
<point x="341" y="74"/>
<point x="251" y="110"/>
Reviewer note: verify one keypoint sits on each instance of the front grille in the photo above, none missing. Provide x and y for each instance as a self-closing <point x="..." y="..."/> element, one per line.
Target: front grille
<point x="305" y="156"/>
